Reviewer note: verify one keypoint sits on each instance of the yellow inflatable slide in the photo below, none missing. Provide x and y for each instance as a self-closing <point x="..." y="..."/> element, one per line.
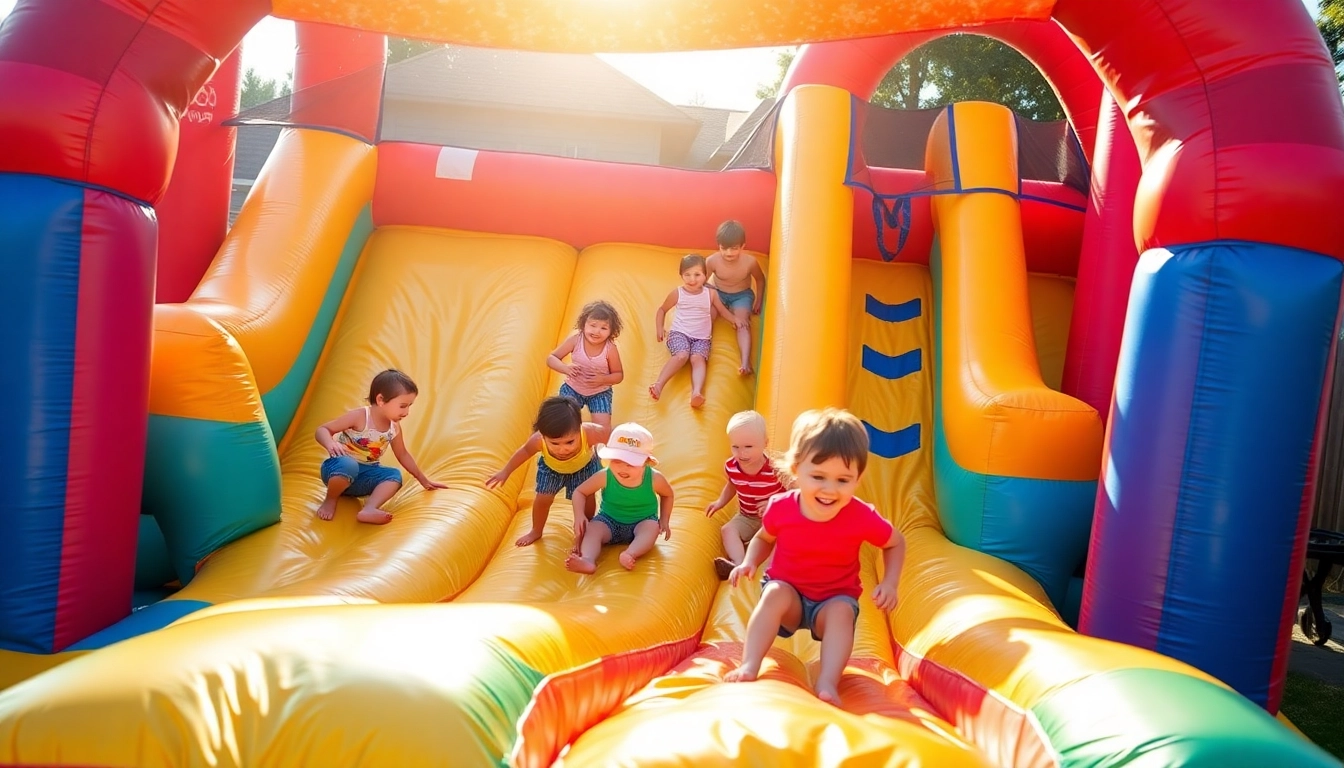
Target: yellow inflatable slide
<point x="434" y="641"/>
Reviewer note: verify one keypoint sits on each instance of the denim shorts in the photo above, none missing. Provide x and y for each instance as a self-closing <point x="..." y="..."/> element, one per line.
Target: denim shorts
<point x="363" y="477"/>
<point x="599" y="403"/>
<point x="678" y="342"/>
<point x="810" y="610"/>
<point x="621" y="533"/>
<point x="549" y="482"/>
<point x="740" y="300"/>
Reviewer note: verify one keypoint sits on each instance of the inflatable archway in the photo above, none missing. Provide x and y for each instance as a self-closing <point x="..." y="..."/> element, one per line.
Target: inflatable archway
<point x="1202" y="483"/>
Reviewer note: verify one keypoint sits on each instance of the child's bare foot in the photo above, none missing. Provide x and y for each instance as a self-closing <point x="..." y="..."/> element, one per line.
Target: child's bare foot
<point x="578" y="564"/>
<point x="327" y="510"/>
<point x="627" y="560"/>
<point x="829" y="695"/>
<point x="527" y="539"/>
<point x="723" y="566"/>
<point x="373" y="516"/>
<point x="697" y="399"/>
<point x="744" y="369"/>
<point x="743" y="674"/>
<point x="655" y="391"/>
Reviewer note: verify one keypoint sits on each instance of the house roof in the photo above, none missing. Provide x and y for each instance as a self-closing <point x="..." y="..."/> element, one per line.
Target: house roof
<point x="714" y="127"/>
<point x="744" y="131"/>
<point x="556" y="82"/>
<point x="252" y="146"/>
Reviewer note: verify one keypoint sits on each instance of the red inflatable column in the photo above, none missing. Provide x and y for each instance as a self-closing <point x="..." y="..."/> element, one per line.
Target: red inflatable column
<point x="1106" y="265"/>
<point x="338" y="79"/>
<point x="194" y="212"/>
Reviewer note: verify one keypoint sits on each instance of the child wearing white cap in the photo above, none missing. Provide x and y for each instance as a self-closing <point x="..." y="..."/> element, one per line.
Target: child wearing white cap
<point x="636" y="502"/>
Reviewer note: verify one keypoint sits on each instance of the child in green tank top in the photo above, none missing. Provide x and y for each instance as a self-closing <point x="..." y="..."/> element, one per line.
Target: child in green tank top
<point x="636" y="502"/>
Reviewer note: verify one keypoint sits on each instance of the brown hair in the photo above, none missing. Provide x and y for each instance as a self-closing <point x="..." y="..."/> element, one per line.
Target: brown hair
<point x="731" y="234"/>
<point x="390" y="384"/>
<point x="600" y="310"/>
<point x="820" y="435"/>
<point x="691" y="260"/>
<point x="558" y="416"/>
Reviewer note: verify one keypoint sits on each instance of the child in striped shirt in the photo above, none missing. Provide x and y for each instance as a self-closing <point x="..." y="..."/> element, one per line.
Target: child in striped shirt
<point x="752" y="479"/>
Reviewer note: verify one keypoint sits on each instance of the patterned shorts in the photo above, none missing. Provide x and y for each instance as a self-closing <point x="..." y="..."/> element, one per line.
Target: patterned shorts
<point x="621" y="533"/>
<point x="599" y="403"/>
<point x="550" y="482"/>
<point x="678" y="342"/>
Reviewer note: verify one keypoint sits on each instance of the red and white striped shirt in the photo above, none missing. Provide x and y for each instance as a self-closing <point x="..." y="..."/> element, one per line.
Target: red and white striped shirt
<point x="753" y="490"/>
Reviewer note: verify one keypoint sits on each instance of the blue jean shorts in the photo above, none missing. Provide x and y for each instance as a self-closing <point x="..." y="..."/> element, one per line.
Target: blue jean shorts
<point x="363" y="477"/>
<point x="549" y="482"/>
<point x="621" y="533"/>
<point x="740" y="300"/>
<point x="599" y="403"/>
<point x="810" y="610"/>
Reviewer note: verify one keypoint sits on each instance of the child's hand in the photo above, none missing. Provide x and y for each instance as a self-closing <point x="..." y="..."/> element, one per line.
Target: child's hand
<point x="580" y="528"/>
<point x="666" y="529"/>
<point x="660" y="335"/>
<point x="884" y="596"/>
<point x="338" y="449"/>
<point x="741" y="571"/>
<point x="741" y="324"/>
<point x="713" y="507"/>
<point x="756" y="306"/>
<point x="432" y="485"/>
<point x="497" y="479"/>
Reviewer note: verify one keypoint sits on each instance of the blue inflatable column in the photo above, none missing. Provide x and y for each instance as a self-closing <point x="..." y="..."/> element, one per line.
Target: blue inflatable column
<point x="1199" y="532"/>
<point x="78" y="288"/>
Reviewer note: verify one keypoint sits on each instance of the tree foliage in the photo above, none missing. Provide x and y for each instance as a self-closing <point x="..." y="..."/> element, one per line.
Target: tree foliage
<point x="259" y="90"/>
<point x="958" y="68"/>
<point x="1330" y="20"/>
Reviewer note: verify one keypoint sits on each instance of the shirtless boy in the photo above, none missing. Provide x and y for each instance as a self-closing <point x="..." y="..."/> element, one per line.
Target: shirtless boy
<point x="733" y="272"/>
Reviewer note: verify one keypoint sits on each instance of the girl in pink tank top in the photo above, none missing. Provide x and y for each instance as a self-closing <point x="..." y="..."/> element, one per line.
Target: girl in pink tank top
<point x="692" y="326"/>
<point x="594" y="363"/>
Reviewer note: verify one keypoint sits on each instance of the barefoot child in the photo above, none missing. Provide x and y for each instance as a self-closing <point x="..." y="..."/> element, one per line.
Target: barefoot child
<point x="817" y="530"/>
<point x="733" y="272"/>
<point x="356" y="442"/>
<point x="568" y="458"/>
<point x="752" y="479"/>
<point x="691" y="327"/>
<point x="636" y="502"/>
<point x="595" y="364"/>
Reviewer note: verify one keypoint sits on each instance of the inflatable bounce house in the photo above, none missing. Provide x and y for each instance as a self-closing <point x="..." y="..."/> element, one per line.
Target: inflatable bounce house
<point x="1091" y="358"/>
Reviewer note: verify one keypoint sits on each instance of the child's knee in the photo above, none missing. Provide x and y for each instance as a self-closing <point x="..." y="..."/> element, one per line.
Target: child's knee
<point x="681" y="357"/>
<point x="780" y="596"/>
<point x="343" y="467"/>
<point x="728" y="533"/>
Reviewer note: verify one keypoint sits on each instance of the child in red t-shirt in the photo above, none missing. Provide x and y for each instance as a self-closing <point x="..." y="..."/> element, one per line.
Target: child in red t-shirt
<point x="816" y="532"/>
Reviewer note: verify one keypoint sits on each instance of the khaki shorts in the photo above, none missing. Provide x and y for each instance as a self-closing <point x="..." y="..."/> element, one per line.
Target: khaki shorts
<point x="745" y="527"/>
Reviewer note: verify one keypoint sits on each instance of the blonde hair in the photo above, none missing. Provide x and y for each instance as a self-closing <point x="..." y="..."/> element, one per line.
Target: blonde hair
<point x="747" y="419"/>
<point x="819" y="435"/>
<point x="754" y="420"/>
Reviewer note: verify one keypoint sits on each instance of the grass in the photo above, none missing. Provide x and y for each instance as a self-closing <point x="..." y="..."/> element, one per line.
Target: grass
<point x="1316" y="708"/>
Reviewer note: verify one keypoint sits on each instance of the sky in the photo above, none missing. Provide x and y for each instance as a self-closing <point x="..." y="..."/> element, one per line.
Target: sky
<point x="725" y="79"/>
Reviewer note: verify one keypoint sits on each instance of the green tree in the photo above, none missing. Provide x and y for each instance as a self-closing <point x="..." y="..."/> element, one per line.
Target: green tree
<point x="259" y="90"/>
<point x="399" y="48"/>
<point x="958" y="68"/>
<point x="1330" y="20"/>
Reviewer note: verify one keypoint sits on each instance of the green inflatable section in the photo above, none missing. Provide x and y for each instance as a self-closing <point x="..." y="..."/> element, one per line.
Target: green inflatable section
<point x="1148" y="718"/>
